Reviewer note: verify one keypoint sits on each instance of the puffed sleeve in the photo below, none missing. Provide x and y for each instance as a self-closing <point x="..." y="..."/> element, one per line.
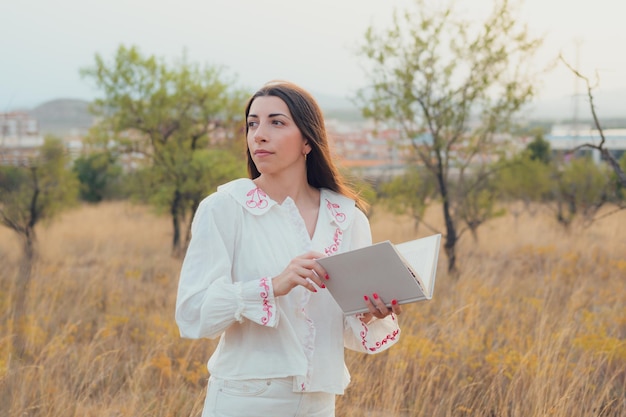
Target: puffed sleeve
<point x="378" y="334"/>
<point x="209" y="299"/>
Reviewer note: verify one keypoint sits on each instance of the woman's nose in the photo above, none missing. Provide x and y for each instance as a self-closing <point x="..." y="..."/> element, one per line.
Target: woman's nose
<point x="259" y="134"/>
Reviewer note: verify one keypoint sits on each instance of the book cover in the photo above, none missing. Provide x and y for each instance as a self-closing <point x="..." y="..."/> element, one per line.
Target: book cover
<point x="405" y="272"/>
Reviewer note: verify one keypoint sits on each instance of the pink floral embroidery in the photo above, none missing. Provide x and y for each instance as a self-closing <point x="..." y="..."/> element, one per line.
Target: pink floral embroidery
<point x="302" y="387"/>
<point x="258" y="198"/>
<point x="267" y="307"/>
<point x="333" y="207"/>
<point x="379" y="344"/>
<point x="337" y="238"/>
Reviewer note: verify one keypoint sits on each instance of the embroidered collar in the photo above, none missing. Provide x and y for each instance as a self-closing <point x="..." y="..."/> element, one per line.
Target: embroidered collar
<point x="337" y="208"/>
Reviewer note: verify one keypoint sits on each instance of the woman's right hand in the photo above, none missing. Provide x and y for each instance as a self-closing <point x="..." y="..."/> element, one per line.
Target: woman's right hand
<point x="302" y="270"/>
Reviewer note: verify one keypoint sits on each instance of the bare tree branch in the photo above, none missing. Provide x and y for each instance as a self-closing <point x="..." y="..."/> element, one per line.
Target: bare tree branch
<point x="606" y="154"/>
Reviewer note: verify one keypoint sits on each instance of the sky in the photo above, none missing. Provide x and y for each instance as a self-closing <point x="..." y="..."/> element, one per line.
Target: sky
<point x="44" y="44"/>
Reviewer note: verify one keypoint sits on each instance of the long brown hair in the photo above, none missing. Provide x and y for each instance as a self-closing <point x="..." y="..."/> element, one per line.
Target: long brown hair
<point x="306" y="113"/>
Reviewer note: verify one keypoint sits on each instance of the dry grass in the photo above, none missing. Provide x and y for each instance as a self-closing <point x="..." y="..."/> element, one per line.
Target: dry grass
<point x="534" y="326"/>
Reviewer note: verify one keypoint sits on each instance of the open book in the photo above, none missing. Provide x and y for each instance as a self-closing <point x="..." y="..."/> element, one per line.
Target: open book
<point x="405" y="272"/>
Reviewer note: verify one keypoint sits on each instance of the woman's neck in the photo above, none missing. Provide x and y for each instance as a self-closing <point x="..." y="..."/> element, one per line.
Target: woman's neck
<point x="278" y="189"/>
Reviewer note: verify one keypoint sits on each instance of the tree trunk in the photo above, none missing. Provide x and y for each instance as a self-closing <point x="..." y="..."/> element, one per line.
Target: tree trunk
<point x="176" y="210"/>
<point x="474" y="232"/>
<point x="24" y="277"/>
<point x="451" y="235"/>
<point x="451" y="238"/>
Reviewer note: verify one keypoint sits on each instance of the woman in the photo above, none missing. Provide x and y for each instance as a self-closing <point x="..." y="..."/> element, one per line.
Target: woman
<point x="250" y="276"/>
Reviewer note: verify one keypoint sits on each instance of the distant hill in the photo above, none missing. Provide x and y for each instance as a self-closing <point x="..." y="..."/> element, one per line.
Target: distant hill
<point x="63" y="117"/>
<point x="609" y="105"/>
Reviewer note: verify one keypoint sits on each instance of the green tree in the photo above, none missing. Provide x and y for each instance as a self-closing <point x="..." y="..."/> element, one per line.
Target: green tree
<point x="539" y="148"/>
<point x="207" y="169"/>
<point x="581" y="189"/>
<point x="99" y="174"/>
<point x="450" y="86"/>
<point x="30" y="194"/>
<point x="523" y="179"/>
<point x="162" y="115"/>
<point x="477" y="196"/>
<point x="408" y="193"/>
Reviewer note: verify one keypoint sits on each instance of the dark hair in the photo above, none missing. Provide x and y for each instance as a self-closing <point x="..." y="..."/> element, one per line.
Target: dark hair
<point x="308" y="117"/>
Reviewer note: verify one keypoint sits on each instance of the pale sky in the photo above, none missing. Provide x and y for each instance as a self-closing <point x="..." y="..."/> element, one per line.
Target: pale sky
<point x="44" y="43"/>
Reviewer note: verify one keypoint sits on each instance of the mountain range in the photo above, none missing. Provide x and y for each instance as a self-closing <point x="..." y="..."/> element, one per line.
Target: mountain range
<point x="71" y="116"/>
<point x="62" y="117"/>
<point x="608" y="105"/>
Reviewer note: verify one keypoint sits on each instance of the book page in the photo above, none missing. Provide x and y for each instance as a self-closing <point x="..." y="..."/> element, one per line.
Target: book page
<point x="423" y="255"/>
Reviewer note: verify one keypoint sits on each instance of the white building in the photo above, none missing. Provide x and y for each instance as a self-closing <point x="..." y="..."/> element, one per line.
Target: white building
<point x="19" y="138"/>
<point x="565" y="138"/>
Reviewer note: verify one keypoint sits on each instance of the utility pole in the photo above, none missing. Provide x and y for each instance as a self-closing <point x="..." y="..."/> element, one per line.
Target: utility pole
<point x="575" y="121"/>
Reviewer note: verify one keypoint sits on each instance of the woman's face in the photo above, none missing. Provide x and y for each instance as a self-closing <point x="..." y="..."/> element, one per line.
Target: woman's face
<point x="275" y="143"/>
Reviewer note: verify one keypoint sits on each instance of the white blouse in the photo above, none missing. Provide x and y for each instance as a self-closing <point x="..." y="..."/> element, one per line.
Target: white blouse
<point x="240" y="240"/>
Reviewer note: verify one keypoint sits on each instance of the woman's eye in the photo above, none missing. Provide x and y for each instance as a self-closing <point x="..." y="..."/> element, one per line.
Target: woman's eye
<point x="252" y="124"/>
<point x="278" y="122"/>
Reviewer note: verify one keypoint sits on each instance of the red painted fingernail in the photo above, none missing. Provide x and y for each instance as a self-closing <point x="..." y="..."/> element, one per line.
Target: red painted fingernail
<point x="366" y="298"/>
<point x="394" y="302"/>
<point x="326" y="276"/>
<point x="323" y="286"/>
<point x="375" y="296"/>
<point x="314" y="290"/>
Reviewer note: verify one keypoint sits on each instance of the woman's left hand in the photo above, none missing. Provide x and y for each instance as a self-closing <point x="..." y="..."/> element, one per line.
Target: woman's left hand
<point x="378" y="309"/>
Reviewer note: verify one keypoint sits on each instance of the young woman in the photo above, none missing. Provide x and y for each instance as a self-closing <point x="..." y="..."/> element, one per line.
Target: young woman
<point x="250" y="277"/>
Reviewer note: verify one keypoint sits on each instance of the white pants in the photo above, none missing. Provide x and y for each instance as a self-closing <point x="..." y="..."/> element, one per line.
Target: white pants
<point x="264" y="398"/>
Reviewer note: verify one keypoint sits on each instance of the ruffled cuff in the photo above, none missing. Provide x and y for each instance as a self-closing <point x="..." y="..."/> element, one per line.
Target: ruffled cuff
<point x="377" y="335"/>
<point x="256" y="302"/>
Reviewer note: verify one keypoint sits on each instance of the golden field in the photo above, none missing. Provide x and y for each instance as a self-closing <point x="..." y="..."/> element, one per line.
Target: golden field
<point x="535" y="325"/>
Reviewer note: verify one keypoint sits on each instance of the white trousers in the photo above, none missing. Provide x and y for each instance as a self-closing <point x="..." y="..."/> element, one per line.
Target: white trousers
<point x="264" y="398"/>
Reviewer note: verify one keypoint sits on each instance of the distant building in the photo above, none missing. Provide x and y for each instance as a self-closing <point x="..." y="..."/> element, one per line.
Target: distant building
<point x="371" y="153"/>
<point x="564" y="139"/>
<point x="19" y="138"/>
